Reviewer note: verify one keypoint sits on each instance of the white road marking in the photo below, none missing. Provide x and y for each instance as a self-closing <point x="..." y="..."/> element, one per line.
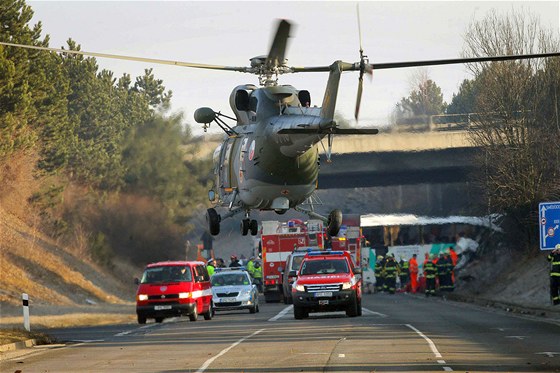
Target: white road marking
<point x="432" y="347"/>
<point x="80" y="341"/>
<point x="134" y="330"/>
<point x="225" y="350"/>
<point x="341" y="355"/>
<point x="124" y="333"/>
<point x="373" y="312"/>
<point x="281" y="313"/>
<point x="548" y="354"/>
<point x="520" y="337"/>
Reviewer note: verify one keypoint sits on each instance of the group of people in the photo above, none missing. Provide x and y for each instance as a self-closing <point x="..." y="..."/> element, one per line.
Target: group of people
<point x="438" y="273"/>
<point x="253" y="267"/>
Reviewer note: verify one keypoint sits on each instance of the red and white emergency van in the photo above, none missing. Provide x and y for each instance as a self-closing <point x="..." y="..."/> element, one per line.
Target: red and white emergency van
<point x="169" y="289"/>
<point x="280" y="239"/>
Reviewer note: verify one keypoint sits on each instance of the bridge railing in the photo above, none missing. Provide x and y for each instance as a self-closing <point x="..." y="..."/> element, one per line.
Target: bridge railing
<point x="450" y="122"/>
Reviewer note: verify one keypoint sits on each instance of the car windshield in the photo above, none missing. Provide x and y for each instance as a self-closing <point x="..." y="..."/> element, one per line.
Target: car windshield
<point x="327" y="266"/>
<point x="296" y="262"/>
<point x="229" y="279"/>
<point x="162" y="274"/>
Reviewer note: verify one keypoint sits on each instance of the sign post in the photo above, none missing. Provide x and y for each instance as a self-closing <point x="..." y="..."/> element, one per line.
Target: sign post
<point x="549" y="225"/>
<point x="25" y="299"/>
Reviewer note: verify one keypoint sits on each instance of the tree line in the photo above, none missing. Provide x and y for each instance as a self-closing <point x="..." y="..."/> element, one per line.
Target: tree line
<point x="108" y="135"/>
<point x="518" y="117"/>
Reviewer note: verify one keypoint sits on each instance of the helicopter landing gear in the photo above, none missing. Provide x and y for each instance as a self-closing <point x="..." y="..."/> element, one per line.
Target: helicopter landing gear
<point x="334" y="222"/>
<point x="249" y="225"/>
<point x="213" y="220"/>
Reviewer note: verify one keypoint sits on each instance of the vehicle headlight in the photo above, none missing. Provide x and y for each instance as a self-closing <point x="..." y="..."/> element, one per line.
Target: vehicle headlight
<point x="142" y="297"/>
<point x="184" y="295"/>
<point x="299" y="287"/>
<point x="346" y="285"/>
<point x="245" y="293"/>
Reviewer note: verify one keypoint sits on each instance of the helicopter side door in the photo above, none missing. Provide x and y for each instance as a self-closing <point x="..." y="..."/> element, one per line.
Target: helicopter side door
<point x="229" y="166"/>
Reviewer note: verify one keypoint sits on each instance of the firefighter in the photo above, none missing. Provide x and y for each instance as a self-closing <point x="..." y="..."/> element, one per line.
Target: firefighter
<point x="391" y="270"/>
<point x="430" y="275"/>
<point x="404" y="274"/>
<point x="234" y="262"/>
<point x="450" y="276"/>
<point x="379" y="274"/>
<point x="441" y="267"/>
<point x="554" y="259"/>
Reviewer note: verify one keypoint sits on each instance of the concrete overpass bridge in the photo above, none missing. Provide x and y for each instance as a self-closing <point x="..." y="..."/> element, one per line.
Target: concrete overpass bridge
<point x="398" y="159"/>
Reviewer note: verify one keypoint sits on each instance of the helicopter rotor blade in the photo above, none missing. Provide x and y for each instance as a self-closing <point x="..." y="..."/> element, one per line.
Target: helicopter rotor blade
<point x="396" y="65"/>
<point x="130" y="58"/>
<point x="359" y="95"/>
<point x="278" y="47"/>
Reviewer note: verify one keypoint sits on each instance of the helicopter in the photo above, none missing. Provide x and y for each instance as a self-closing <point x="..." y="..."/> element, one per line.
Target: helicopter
<point x="269" y="159"/>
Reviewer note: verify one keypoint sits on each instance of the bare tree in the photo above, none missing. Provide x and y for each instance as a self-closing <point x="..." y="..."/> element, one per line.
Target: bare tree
<point x="518" y="122"/>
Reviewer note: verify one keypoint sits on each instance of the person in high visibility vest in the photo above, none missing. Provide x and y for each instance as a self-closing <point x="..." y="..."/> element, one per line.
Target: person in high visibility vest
<point x="404" y="274"/>
<point x="554" y="259"/>
<point x="413" y="270"/>
<point x="258" y="275"/>
<point x="251" y="266"/>
<point x="210" y="267"/>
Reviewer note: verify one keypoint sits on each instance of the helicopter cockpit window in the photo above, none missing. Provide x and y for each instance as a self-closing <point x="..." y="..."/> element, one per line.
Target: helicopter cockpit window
<point x="253" y="103"/>
<point x="242" y="100"/>
<point x="304" y="98"/>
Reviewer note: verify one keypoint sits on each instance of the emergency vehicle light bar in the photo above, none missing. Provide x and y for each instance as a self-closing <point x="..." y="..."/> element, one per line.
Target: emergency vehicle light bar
<point x="324" y="252"/>
<point x="226" y="269"/>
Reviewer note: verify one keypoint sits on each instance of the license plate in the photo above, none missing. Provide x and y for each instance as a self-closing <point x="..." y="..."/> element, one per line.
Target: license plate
<point x="323" y="294"/>
<point x="159" y="308"/>
<point x="228" y="300"/>
<point x="323" y="302"/>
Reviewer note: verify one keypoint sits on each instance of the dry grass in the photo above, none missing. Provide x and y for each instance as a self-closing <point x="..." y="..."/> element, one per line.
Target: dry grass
<point x="68" y="320"/>
<point x="18" y="335"/>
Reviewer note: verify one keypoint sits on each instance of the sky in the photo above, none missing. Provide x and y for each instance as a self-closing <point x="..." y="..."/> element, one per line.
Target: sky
<point x="232" y="32"/>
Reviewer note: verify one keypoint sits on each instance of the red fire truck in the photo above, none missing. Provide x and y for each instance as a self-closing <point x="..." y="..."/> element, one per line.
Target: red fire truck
<point x="278" y="240"/>
<point x="349" y="238"/>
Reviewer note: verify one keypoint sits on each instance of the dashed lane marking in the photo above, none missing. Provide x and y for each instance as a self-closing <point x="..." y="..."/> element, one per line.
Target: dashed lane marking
<point x="281" y="313"/>
<point x="225" y="350"/>
<point x="370" y="312"/>
<point x="432" y="347"/>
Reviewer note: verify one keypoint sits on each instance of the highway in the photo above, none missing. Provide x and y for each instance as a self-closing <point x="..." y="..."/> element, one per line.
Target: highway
<point x="398" y="332"/>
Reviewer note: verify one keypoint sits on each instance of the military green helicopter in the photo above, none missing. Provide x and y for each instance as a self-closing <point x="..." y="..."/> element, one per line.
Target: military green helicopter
<point x="269" y="159"/>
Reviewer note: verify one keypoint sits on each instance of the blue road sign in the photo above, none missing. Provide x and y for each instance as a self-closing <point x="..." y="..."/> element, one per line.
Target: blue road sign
<point x="549" y="225"/>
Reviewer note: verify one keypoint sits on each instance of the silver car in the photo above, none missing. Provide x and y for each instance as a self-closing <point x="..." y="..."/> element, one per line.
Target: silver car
<point x="234" y="290"/>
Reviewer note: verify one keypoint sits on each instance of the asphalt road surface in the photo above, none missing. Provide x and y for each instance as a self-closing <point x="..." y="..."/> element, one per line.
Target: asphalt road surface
<point x="398" y="332"/>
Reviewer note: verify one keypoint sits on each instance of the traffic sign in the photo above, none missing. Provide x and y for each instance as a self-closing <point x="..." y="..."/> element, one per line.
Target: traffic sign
<point x="549" y="228"/>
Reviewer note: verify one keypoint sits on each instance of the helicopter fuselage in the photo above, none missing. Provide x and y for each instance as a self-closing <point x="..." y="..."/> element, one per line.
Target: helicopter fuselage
<point x="257" y="167"/>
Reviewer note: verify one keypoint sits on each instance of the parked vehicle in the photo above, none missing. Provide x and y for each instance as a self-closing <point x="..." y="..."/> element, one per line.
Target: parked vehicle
<point x="169" y="289"/>
<point x="280" y="239"/>
<point x="327" y="281"/>
<point x="289" y="273"/>
<point x="232" y="289"/>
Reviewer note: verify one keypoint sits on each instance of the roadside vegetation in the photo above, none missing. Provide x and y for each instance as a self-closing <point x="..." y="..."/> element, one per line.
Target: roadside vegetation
<point x="93" y="169"/>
